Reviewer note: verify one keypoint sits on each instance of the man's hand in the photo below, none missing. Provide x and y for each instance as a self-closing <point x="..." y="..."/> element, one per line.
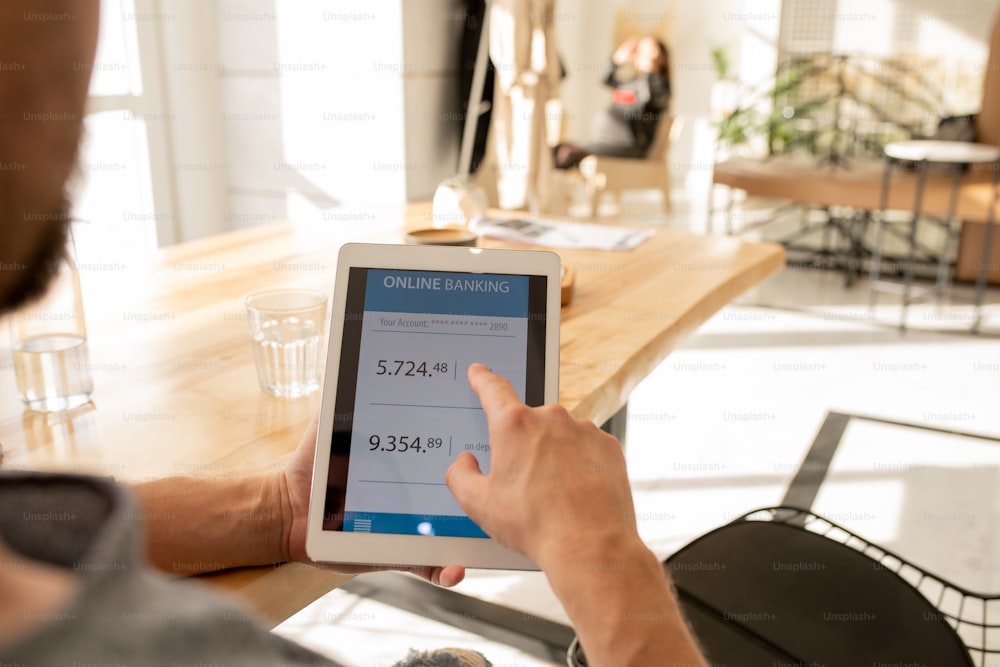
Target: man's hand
<point x="294" y="484"/>
<point x="558" y="492"/>
<point x="555" y="483"/>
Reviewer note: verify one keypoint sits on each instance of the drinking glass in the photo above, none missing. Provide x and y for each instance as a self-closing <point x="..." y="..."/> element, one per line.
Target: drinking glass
<point x="286" y="329"/>
<point x="49" y="341"/>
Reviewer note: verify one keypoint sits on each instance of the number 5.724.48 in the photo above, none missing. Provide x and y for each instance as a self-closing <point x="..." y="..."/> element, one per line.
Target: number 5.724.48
<point x="408" y="368"/>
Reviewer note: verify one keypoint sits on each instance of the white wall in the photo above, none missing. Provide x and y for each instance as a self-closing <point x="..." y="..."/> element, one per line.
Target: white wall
<point x="333" y="105"/>
<point x="433" y="118"/>
<point x="193" y="104"/>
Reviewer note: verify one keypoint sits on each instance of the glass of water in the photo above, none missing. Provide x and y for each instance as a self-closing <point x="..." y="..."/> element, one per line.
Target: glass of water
<point x="49" y="340"/>
<point x="286" y="329"/>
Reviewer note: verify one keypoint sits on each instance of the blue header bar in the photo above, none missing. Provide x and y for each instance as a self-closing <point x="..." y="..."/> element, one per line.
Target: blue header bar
<point x="452" y="293"/>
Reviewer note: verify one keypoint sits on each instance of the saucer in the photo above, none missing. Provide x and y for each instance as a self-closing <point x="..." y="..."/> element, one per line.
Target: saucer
<point x="442" y="236"/>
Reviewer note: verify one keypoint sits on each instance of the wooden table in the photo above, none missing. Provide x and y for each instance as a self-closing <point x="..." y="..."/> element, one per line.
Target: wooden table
<point x="175" y="387"/>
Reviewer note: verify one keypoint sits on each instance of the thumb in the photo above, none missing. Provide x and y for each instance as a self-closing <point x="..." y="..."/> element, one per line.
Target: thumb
<point x="467" y="483"/>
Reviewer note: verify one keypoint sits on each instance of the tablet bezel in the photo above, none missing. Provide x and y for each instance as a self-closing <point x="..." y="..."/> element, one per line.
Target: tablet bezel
<point x="384" y="549"/>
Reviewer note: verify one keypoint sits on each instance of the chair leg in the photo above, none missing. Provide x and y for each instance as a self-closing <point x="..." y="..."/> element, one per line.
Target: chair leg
<point x="594" y="181"/>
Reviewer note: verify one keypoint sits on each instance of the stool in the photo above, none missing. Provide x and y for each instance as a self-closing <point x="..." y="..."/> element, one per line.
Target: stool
<point x="918" y="154"/>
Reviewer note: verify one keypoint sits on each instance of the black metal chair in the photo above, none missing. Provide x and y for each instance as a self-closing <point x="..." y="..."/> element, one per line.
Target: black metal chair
<point x="783" y="586"/>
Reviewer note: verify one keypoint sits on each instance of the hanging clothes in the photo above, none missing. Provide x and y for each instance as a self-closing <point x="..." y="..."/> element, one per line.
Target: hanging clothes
<point x="528" y="72"/>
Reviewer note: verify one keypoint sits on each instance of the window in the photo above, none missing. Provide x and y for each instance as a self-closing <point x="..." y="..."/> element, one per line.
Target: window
<point x="122" y="195"/>
<point x="944" y="40"/>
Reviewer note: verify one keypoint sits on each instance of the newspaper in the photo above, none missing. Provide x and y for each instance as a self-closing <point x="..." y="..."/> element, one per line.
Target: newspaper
<point x="558" y="234"/>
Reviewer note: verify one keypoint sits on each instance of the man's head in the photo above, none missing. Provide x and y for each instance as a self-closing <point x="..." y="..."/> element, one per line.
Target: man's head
<point x="46" y="52"/>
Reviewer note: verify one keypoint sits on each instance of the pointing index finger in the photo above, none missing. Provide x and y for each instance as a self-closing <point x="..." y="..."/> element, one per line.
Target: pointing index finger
<point x="495" y="391"/>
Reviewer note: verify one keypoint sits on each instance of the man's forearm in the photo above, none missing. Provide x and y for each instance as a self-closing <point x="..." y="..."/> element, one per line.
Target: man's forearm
<point x="622" y="607"/>
<point x="196" y="525"/>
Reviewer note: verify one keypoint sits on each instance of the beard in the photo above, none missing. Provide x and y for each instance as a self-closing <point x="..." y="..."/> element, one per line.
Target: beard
<point x="38" y="269"/>
<point x="34" y="209"/>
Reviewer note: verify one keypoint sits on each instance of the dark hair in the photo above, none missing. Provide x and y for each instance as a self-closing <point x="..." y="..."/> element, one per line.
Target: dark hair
<point x="664" y="69"/>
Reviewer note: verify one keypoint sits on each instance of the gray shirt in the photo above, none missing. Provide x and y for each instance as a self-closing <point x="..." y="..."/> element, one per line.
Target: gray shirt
<point x="125" y="614"/>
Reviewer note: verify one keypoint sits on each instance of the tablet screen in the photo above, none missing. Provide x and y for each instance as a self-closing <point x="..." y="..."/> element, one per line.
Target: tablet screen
<point x="404" y="409"/>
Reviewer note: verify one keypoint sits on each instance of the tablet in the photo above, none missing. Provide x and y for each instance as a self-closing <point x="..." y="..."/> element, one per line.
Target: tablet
<point x="397" y="408"/>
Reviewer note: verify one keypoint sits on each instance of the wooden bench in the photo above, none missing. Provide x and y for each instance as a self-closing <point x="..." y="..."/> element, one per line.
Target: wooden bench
<point x="857" y="184"/>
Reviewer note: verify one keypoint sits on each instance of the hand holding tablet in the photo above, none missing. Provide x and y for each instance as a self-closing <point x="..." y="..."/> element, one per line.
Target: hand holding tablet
<point x="397" y="409"/>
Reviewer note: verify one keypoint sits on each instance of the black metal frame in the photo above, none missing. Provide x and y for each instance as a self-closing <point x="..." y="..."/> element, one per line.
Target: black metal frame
<point x="977" y="614"/>
<point x="966" y="621"/>
<point x="846" y="224"/>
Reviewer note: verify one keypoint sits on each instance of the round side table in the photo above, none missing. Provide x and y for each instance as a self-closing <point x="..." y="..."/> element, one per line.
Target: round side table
<point x="919" y="153"/>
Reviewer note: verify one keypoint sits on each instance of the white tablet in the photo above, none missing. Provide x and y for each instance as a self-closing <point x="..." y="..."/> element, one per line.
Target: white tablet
<point x="397" y="408"/>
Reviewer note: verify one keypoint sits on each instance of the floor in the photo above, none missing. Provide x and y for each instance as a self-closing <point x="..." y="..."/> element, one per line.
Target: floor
<point x="722" y="426"/>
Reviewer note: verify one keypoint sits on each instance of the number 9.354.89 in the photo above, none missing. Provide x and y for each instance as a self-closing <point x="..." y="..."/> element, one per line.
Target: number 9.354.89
<point x="404" y="443"/>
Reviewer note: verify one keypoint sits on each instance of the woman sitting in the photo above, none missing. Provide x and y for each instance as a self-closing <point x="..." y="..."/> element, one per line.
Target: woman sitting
<point x="640" y="79"/>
